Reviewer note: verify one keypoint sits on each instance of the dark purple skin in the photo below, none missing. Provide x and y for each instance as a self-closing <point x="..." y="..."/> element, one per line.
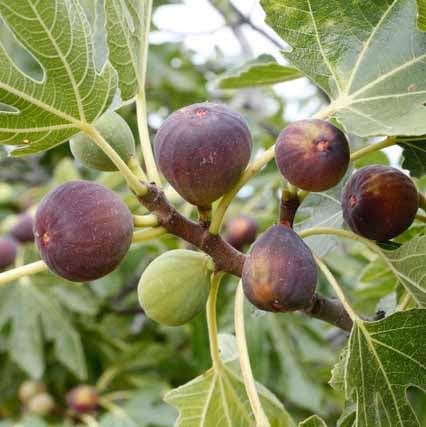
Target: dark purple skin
<point x="23" y="229"/>
<point x="8" y="252"/>
<point x="280" y="273"/>
<point x="312" y="154"/>
<point x="82" y="230"/>
<point x="202" y="150"/>
<point x="379" y="202"/>
<point x="241" y="231"/>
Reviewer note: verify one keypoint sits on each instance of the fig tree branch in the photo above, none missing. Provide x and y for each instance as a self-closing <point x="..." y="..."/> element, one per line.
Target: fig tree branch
<point x="226" y="258"/>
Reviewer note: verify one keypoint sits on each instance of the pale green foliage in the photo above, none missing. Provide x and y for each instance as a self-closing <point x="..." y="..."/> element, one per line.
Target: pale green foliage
<point x="218" y="398"/>
<point x="46" y="113"/>
<point x="33" y="313"/>
<point x="261" y="71"/>
<point x="408" y="263"/>
<point x="421" y="14"/>
<point x="313" y="421"/>
<point x="125" y="36"/>
<point x="414" y="153"/>
<point x="384" y="358"/>
<point x="367" y="55"/>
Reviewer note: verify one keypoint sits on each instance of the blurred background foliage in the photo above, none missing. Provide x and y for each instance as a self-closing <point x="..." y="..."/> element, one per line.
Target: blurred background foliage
<point x="65" y="334"/>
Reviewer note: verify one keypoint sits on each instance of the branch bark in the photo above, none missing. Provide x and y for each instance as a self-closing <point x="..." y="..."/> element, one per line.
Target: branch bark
<point x="225" y="257"/>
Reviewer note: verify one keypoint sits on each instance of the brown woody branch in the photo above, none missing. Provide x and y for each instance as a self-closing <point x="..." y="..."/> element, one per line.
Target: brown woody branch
<point x="227" y="258"/>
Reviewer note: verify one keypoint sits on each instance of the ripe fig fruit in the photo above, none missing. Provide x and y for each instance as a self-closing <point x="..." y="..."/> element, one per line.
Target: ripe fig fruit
<point x="83" y="230"/>
<point x="30" y="389"/>
<point x="41" y="404"/>
<point x="202" y="150"/>
<point x="23" y="228"/>
<point x="312" y="154"/>
<point x="83" y="398"/>
<point x="379" y="202"/>
<point x="116" y="132"/>
<point x="8" y="252"/>
<point x="174" y="288"/>
<point x="280" y="273"/>
<point x="241" y="231"/>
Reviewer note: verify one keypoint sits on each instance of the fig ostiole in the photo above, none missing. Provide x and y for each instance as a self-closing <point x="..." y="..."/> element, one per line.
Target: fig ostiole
<point x="202" y="150"/>
<point x="379" y="202"/>
<point x="116" y="132"/>
<point x="312" y="154"/>
<point x="174" y="288"/>
<point x="82" y="230"/>
<point x="280" y="272"/>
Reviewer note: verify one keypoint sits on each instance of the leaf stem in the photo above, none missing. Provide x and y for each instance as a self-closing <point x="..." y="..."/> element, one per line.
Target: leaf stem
<point x="337" y="289"/>
<point x="246" y="371"/>
<point x="132" y="180"/>
<point x="148" y="234"/>
<point x="149" y="220"/>
<point x="391" y="140"/>
<point x="421" y="218"/>
<point x="422" y="201"/>
<point x="151" y="167"/>
<point x="212" y="320"/>
<point x="226" y="200"/>
<point x="135" y="167"/>
<point x="22" y="271"/>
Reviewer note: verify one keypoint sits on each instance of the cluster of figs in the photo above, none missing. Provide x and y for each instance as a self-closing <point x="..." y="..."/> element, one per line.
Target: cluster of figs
<point x="35" y="398"/>
<point x="83" y="230"/>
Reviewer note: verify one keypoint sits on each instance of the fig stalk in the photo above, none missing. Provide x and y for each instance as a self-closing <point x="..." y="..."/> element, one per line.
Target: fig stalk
<point x="288" y="207"/>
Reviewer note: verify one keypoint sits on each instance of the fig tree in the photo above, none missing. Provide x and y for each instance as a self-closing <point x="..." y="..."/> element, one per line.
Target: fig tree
<point x="23" y="229"/>
<point x="379" y="202"/>
<point x="202" y="150"/>
<point x="8" y="252"/>
<point x="83" y="398"/>
<point x="174" y="288"/>
<point x="312" y="154"/>
<point x="116" y="132"/>
<point x="241" y="231"/>
<point x="280" y="272"/>
<point x="83" y="230"/>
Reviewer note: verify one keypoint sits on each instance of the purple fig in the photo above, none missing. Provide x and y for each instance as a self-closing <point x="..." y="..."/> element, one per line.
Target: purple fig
<point x="379" y="202"/>
<point x="241" y="231"/>
<point x="312" y="154"/>
<point x="280" y="273"/>
<point x="83" y="398"/>
<point x="83" y="230"/>
<point x="202" y="150"/>
<point x="8" y="251"/>
<point x="23" y="228"/>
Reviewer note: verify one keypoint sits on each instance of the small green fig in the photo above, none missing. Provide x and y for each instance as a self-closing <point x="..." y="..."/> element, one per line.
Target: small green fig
<point x="379" y="202"/>
<point x="174" y="288"/>
<point x="312" y="154"/>
<point x="280" y="273"/>
<point x="116" y="132"/>
<point x="202" y="150"/>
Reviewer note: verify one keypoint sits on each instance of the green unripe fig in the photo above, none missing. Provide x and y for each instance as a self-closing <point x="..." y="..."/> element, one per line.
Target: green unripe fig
<point x="116" y="132"/>
<point x="174" y="288"/>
